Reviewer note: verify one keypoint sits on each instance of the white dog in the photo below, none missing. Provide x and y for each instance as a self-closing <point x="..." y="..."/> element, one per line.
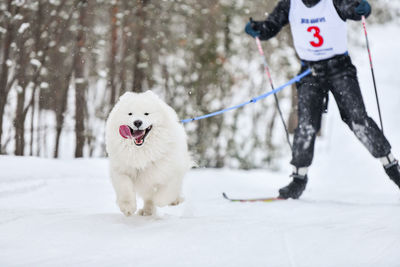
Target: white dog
<point x="148" y="152"/>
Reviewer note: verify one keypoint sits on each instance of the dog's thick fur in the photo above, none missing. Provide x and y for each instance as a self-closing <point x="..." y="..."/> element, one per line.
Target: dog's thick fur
<point x="153" y="170"/>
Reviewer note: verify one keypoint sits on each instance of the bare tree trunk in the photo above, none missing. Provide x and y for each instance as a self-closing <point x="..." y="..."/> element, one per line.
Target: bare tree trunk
<point x="124" y="50"/>
<point x="40" y="132"/>
<point x="62" y="100"/>
<point x="80" y="81"/>
<point x="33" y="108"/>
<point x="22" y="111"/>
<point x="22" y="77"/>
<point x="4" y="89"/>
<point x="113" y="54"/>
<point x="138" y="73"/>
<point x="38" y="32"/>
<point x="19" y="123"/>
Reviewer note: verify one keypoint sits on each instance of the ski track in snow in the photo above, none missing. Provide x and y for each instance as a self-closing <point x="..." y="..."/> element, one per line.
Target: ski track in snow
<point x="63" y="212"/>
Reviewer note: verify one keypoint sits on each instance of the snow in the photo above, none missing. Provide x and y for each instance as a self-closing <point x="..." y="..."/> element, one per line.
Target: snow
<point x="44" y="85"/>
<point x="63" y="212"/>
<point x="36" y="62"/>
<point x="80" y="80"/>
<point x="23" y="27"/>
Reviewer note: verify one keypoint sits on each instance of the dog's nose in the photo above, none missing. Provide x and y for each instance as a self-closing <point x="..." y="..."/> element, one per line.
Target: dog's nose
<point x="138" y="123"/>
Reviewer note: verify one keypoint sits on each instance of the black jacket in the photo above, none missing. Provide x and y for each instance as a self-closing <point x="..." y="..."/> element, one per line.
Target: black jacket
<point x="280" y="15"/>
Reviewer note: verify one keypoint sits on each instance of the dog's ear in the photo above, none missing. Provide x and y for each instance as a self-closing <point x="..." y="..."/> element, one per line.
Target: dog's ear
<point x="125" y="95"/>
<point x="149" y="92"/>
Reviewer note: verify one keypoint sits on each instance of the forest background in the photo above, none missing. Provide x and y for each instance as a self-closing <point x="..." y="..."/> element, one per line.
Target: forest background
<point x="64" y="63"/>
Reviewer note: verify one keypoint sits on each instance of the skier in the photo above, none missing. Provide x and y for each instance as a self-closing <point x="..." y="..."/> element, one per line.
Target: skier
<point x="319" y="33"/>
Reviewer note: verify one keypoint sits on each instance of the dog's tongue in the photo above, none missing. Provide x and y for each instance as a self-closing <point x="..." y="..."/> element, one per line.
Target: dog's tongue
<point x="125" y="131"/>
<point x="138" y="134"/>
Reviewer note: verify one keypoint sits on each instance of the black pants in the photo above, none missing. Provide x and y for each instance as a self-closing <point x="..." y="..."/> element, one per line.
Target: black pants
<point x="339" y="76"/>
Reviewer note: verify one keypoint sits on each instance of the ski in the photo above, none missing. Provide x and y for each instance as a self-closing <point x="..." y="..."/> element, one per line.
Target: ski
<point x="267" y="199"/>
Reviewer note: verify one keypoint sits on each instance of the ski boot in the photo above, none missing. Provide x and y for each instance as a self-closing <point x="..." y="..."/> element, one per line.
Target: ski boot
<point x="393" y="171"/>
<point x="295" y="188"/>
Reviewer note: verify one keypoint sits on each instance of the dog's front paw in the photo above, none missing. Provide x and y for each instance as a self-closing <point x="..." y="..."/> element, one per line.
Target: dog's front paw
<point x="144" y="212"/>
<point x="178" y="201"/>
<point x="147" y="210"/>
<point x="127" y="207"/>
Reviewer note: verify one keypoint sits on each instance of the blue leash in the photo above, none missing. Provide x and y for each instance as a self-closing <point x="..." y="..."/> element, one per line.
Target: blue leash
<point x="253" y="100"/>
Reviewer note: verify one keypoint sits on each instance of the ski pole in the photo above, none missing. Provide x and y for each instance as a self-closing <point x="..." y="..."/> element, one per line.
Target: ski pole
<point x="372" y="71"/>
<point x="261" y="51"/>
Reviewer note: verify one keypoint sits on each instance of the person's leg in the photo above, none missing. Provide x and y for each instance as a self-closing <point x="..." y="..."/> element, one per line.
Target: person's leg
<point x="310" y="108"/>
<point x="347" y="93"/>
<point x="310" y="97"/>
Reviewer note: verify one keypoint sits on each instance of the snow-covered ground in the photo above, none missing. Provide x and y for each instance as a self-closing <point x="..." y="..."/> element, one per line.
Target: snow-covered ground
<point x="63" y="213"/>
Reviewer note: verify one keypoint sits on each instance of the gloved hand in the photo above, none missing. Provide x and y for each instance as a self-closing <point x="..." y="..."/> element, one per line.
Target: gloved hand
<point x="363" y="8"/>
<point x="253" y="28"/>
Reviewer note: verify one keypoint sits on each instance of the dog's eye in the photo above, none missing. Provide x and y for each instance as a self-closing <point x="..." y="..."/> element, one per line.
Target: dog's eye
<point x="130" y="114"/>
<point x="146" y="114"/>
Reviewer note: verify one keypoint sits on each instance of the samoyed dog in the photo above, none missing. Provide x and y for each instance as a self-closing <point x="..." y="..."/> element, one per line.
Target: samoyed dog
<point x="148" y="153"/>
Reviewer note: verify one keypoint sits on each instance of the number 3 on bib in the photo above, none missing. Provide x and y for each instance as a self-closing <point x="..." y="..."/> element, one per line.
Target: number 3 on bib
<point x="316" y="32"/>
